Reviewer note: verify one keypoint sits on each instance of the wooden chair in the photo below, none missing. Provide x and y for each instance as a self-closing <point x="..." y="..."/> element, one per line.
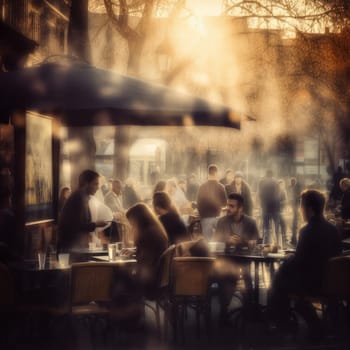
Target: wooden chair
<point x="189" y="288"/>
<point x="90" y="294"/>
<point x="336" y="288"/>
<point x="91" y="288"/>
<point x="335" y="292"/>
<point x="15" y="314"/>
<point x="161" y="295"/>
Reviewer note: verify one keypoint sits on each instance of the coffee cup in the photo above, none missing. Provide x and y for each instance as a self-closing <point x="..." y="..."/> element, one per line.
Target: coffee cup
<point x="63" y="259"/>
<point x="92" y="245"/>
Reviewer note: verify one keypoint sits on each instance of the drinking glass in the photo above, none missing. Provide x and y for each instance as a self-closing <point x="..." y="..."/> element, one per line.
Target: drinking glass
<point x="112" y="251"/>
<point x="252" y="245"/>
<point x="63" y="259"/>
<point x="41" y="260"/>
<point x="265" y="250"/>
<point x="52" y="256"/>
<point x="92" y="245"/>
<point x="119" y="247"/>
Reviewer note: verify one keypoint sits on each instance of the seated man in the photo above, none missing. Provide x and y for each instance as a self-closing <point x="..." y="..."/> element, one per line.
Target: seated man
<point x="235" y="229"/>
<point x="303" y="272"/>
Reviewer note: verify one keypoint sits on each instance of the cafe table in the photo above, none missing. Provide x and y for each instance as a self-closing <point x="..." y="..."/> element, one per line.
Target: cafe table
<point x="38" y="285"/>
<point x="257" y="258"/>
<point x="118" y="260"/>
<point x="84" y="254"/>
<point x="254" y="309"/>
<point x="46" y="285"/>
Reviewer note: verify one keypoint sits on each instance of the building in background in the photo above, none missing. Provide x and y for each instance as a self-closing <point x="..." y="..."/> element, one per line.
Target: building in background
<point x="32" y="30"/>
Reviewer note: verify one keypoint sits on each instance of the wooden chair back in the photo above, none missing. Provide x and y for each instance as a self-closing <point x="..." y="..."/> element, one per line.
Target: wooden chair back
<point x="91" y="282"/>
<point x="164" y="267"/>
<point x="337" y="278"/>
<point x="190" y="275"/>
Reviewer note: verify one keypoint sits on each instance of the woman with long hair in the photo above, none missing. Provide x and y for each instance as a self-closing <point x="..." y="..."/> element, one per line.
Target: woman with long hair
<point x="151" y="240"/>
<point x="170" y="218"/>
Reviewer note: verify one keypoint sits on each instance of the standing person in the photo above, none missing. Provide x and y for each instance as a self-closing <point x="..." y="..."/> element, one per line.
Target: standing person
<point x="114" y="199"/>
<point x="182" y="183"/>
<point x="294" y="200"/>
<point x="211" y="199"/>
<point x="170" y="218"/>
<point x="282" y="204"/>
<point x="177" y="196"/>
<point x="154" y="175"/>
<point x="238" y="185"/>
<point x="303" y="272"/>
<point x="336" y="192"/>
<point x="228" y="177"/>
<point x="268" y="190"/>
<point x="104" y="185"/>
<point x="130" y="195"/>
<point x="192" y="188"/>
<point x="160" y="186"/>
<point x="75" y="222"/>
<point x="101" y="212"/>
<point x="65" y="192"/>
<point x="345" y="202"/>
<point x="151" y="240"/>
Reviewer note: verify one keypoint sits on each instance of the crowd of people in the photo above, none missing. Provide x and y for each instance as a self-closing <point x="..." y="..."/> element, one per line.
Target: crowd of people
<point x="174" y="202"/>
<point x="227" y="211"/>
<point x="224" y="208"/>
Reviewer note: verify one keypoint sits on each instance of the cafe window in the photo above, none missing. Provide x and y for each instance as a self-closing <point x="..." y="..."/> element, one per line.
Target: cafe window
<point x="104" y="139"/>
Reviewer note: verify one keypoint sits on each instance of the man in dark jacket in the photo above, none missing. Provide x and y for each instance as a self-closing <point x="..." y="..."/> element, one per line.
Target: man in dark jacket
<point x="75" y="221"/>
<point x="238" y="185"/>
<point x="235" y="229"/>
<point x="268" y="191"/>
<point x="303" y="272"/>
<point x="210" y="200"/>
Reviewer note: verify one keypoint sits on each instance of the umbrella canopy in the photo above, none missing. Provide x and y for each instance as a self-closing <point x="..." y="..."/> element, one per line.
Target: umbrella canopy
<point x="82" y="95"/>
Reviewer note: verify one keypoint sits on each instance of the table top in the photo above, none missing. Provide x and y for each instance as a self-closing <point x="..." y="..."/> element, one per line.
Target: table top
<point x="32" y="265"/>
<point x="118" y="260"/>
<point x="252" y="255"/>
<point x="96" y="251"/>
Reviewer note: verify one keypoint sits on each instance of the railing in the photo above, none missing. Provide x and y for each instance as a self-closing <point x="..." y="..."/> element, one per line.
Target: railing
<point x="15" y="14"/>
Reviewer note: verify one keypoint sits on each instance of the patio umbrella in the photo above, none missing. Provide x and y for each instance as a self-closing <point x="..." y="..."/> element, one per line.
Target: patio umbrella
<point x="82" y="95"/>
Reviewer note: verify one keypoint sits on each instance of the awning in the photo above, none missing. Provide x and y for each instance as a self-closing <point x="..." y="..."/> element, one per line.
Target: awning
<point x="82" y="95"/>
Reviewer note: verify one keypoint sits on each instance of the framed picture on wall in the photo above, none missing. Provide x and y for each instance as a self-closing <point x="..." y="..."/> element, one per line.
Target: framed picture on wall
<point x="38" y="168"/>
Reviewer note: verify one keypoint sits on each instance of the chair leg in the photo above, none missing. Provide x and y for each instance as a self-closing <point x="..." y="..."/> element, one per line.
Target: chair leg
<point x="166" y="320"/>
<point x="183" y="313"/>
<point x="207" y="316"/>
<point x="157" y="313"/>
<point x="198" y="320"/>
<point x="175" y="311"/>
